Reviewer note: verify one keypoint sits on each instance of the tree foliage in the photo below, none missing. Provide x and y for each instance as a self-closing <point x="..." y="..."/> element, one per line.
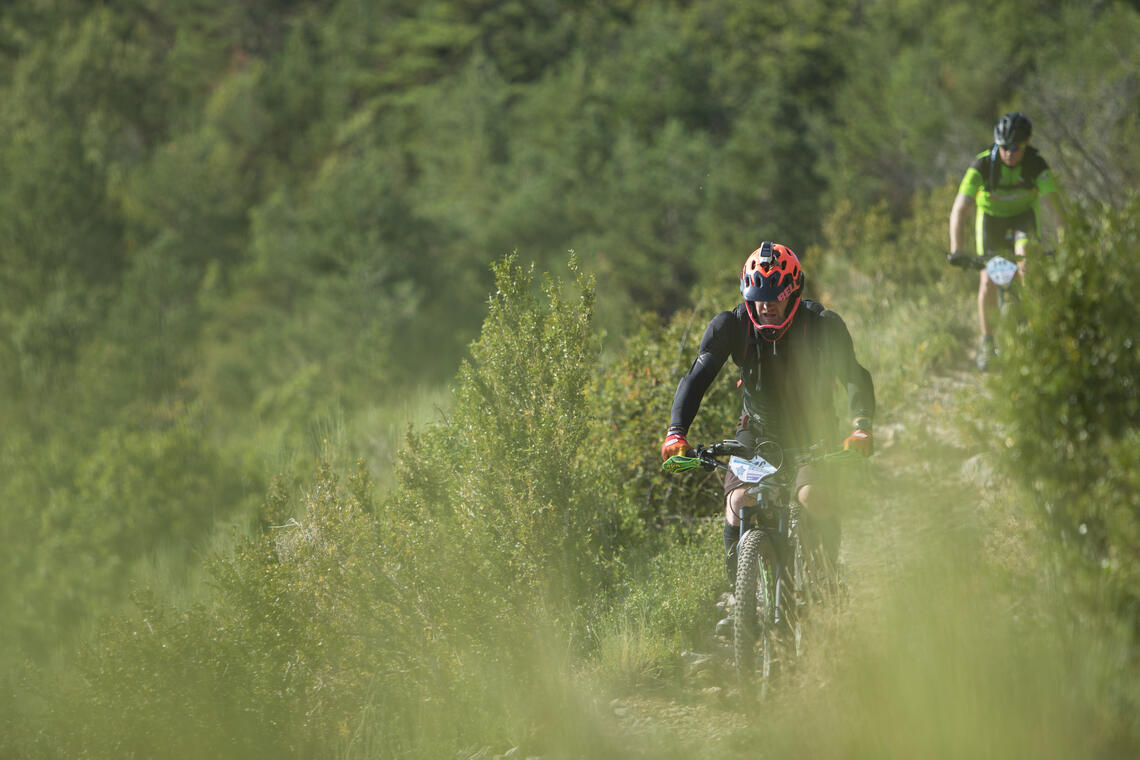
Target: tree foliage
<point x="231" y="232"/>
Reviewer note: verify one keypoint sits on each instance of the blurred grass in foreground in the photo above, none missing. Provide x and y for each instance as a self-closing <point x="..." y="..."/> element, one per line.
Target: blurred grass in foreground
<point x="514" y="593"/>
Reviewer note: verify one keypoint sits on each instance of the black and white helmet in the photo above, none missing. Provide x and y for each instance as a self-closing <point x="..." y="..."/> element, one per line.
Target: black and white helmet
<point x="1012" y="129"/>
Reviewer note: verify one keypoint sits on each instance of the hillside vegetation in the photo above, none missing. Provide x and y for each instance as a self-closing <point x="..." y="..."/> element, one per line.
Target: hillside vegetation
<point x="337" y="341"/>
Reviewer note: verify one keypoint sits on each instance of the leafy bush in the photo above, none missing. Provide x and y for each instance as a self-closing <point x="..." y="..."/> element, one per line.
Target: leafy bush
<point x="308" y="621"/>
<point x="1068" y="398"/>
<point x="396" y="623"/>
<point x="511" y="469"/>
<point x="663" y="606"/>
<point x="1077" y="100"/>
<point x="634" y="397"/>
<point x="152" y="488"/>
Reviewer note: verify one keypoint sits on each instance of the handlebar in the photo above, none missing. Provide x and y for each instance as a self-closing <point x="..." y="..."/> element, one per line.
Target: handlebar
<point x="708" y="457"/>
<point x="968" y="260"/>
<point x="972" y="261"/>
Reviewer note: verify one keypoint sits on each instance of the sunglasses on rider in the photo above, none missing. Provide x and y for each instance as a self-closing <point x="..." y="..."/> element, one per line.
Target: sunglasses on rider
<point x="1012" y="147"/>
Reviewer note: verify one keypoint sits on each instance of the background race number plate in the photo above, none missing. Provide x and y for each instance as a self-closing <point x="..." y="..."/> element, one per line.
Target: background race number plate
<point x="1000" y="270"/>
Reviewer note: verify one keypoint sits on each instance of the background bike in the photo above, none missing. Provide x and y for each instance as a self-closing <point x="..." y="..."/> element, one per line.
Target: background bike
<point x="1000" y="269"/>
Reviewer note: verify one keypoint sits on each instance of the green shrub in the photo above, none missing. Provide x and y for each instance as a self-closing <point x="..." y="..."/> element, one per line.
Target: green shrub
<point x="309" y="622"/>
<point x="663" y="607"/>
<point x="152" y="488"/>
<point x="634" y="397"/>
<point x="510" y="470"/>
<point x="395" y="626"/>
<point x="1068" y="400"/>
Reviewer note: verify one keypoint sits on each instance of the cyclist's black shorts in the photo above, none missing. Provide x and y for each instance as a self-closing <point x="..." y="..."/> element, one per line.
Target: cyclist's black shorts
<point x="997" y="234"/>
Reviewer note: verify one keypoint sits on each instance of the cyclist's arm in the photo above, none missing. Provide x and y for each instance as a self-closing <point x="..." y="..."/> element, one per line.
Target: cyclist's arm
<point x="964" y="205"/>
<point x="715" y="348"/>
<point x="861" y="391"/>
<point x="860" y="386"/>
<point x="959" y="221"/>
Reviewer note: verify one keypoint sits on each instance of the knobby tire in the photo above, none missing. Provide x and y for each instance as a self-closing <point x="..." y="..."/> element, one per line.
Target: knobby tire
<point x="753" y="618"/>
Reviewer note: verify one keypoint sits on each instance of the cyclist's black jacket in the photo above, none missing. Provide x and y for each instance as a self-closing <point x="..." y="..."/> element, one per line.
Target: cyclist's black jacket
<point x="788" y="384"/>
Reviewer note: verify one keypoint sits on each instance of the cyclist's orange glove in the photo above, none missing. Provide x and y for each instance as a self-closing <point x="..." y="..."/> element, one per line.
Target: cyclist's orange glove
<point x="675" y="443"/>
<point x="861" y="441"/>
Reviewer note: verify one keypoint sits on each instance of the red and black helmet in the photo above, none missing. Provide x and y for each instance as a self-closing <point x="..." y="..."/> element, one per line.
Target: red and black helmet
<point x="772" y="273"/>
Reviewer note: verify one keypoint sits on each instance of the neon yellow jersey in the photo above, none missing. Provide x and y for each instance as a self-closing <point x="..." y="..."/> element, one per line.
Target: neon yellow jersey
<point x="1003" y="191"/>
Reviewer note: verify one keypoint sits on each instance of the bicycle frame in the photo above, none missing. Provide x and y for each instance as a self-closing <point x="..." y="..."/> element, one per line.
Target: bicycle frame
<point x="774" y="502"/>
<point x="1001" y="268"/>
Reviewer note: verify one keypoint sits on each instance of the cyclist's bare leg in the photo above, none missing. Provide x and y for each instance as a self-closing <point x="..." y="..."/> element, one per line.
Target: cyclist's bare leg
<point x="821" y="506"/>
<point x="988" y="291"/>
<point x="733" y="501"/>
<point x="737" y="498"/>
<point x="987" y="303"/>
<point x="815" y="501"/>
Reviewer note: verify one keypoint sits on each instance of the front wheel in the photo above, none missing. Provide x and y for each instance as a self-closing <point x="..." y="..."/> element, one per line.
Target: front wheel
<point x="754" y="612"/>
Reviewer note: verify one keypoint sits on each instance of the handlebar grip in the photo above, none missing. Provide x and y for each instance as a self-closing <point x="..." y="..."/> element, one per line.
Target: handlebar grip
<point x="958" y="259"/>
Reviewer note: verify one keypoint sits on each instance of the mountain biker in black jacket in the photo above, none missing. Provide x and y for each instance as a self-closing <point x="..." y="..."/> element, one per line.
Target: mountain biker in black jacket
<point x="1009" y="183"/>
<point x="791" y="353"/>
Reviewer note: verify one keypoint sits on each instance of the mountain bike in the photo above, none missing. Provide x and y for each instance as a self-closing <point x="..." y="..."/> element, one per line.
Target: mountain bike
<point x="1002" y="272"/>
<point x="779" y="575"/>
<point x="1000" y="269"/>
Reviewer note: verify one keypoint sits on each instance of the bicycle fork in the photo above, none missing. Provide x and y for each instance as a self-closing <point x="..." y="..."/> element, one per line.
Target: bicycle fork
<point x="746" y="514"/>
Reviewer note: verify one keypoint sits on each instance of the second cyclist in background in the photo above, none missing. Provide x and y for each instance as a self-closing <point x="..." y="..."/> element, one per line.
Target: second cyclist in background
<point x="1007" y="184"/>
